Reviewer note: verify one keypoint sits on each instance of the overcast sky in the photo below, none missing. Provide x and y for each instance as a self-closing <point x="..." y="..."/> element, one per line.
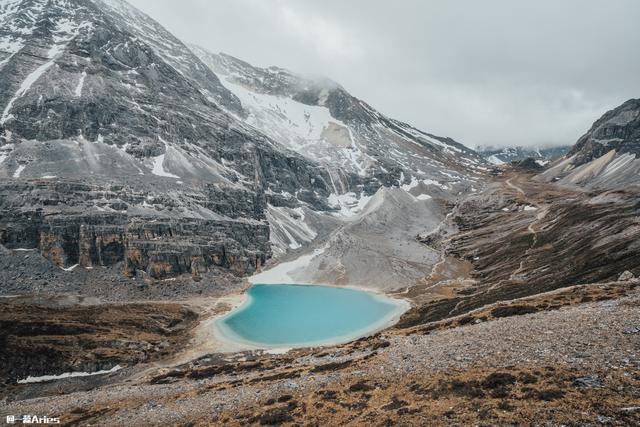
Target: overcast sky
<point x="499" y="72"/>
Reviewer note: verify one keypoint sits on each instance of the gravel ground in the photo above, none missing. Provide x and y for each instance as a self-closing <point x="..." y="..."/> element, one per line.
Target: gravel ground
<point x="584" y="334"/>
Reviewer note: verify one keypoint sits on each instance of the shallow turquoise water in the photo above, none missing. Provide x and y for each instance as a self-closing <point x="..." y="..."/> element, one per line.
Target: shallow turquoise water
<point x="297" y="315"/>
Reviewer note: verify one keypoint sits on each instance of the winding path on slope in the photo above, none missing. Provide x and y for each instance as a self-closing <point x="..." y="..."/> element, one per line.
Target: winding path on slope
<point x="540" y="214"/>
<point x="515" y="187"/>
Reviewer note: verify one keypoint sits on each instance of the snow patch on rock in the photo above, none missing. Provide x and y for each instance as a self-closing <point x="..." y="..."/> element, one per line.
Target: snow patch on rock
<point x="44" y="378"/>
<point x="18" y="171"/>
<point x="78" y="91"/>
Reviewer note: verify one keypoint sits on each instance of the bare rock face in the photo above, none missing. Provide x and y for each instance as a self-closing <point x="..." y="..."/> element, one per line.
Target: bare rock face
<point x="618" y="129"/>
<point x="67" y="225"/>
<point x="606" y="157"/>
<point x="167" y="249"/>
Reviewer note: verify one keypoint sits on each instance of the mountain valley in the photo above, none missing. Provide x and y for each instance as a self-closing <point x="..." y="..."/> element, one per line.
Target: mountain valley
<point x="146" y="184"/>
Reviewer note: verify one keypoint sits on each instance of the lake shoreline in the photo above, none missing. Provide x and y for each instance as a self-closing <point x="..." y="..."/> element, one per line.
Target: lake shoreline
<point x="230" y="342"/>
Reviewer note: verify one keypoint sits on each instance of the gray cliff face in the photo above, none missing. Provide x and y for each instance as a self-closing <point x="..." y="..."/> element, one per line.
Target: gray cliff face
<point x="618" y="129"/>
<point x="83" y="73"/>
<point x="121" y="147"/>
<point x="102" y="225"/>
<point x="607" y="155"/>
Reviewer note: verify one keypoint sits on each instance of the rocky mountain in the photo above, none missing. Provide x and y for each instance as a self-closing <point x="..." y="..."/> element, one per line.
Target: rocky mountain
<point x="122" y="148"/>
<point x="605" y="156"/>
<point x="320" y="120"/>
<point x="119" y="145"/>
<point x="542" y="155"/>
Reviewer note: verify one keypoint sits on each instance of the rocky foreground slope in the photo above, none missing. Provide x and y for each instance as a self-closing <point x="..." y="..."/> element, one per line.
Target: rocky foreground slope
<point x="570" y="359"/>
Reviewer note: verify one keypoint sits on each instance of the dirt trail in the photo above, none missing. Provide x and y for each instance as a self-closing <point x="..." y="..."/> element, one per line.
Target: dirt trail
<point x="515" y="187"/>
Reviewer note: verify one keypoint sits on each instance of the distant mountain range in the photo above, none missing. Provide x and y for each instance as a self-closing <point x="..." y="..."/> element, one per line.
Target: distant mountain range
<point x="499" y="156"/>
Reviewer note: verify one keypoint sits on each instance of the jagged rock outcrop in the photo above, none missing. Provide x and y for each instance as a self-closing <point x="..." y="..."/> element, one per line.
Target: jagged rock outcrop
<point x="618" y="129"/>
<point x="91" y="225"/>
<point x="607" y="155"/>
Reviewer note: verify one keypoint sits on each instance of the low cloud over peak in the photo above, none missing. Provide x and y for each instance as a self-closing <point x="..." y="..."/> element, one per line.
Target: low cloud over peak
<point x="494" y="72"/>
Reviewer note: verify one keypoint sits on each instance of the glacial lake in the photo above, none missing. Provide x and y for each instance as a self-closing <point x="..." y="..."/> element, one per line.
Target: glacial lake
<point x="306" y="315"/>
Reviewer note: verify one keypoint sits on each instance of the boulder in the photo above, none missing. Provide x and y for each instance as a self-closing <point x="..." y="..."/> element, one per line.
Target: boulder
<point x="626" y="276"/>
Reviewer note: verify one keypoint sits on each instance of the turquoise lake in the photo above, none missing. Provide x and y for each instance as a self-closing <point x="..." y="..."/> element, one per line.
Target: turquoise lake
<point x="299" y="315"/>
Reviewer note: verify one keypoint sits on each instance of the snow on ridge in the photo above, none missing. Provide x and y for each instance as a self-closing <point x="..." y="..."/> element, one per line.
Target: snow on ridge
<point x="65" y="31"/>
<point x="407" y="187"/>
<point x="421" y="135"/>
<point x="290" y="224"/>
<point x="305" y="121"/>
<point x="18" y="171"/>
<point x="157" y="168"/>
<point x="436" y="183"/>
<point x="415" y="182"/>
<point x="78" y="91"/>
<point x="24" y="87"/>
<point x="300" y="127"/>
<point x="495" y="160"/>
<point x="349" y="203"/>
<point x="9" y="46"/>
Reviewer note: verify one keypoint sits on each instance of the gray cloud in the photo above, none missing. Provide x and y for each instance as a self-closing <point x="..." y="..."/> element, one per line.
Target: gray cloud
<point x="484" y="72"/>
